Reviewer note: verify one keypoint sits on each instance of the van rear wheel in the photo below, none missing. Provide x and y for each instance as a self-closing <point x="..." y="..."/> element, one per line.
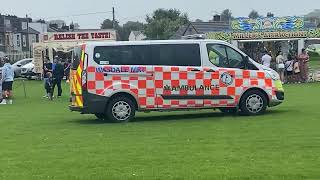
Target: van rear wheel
<point x="253" y="102"/>
<point x="120" y="110"/>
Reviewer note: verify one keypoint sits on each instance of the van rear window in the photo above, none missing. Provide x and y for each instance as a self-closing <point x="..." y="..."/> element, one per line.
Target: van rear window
<point x="76" y="55"/>
<point x="160" y="54"/>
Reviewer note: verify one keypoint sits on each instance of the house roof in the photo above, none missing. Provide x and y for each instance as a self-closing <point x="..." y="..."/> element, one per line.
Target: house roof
<point x="200" y="28"/>
<point x="51" y="30"/>
<point x="136" y="33"/>
<point x="30" y="31"/>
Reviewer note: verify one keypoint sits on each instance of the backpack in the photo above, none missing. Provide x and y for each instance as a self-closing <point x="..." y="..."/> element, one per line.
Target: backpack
<point x="296" y="67"/>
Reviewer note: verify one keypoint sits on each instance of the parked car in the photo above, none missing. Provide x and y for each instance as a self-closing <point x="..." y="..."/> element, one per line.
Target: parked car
<point x="18" y="66"/>
<point x="27" y="71"/>
<point x="314" y="48"/>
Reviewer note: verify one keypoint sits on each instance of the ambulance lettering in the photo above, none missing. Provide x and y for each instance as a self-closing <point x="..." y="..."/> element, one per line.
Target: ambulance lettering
<point x="190" y="88"/>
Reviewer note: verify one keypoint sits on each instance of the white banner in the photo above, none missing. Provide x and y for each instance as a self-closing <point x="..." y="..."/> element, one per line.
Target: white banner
<point x="38" y="58"/>
<point x="80" y="36"/>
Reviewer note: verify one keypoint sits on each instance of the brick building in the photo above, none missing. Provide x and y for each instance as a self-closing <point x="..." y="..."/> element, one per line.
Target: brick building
<point x="16" y="37"/>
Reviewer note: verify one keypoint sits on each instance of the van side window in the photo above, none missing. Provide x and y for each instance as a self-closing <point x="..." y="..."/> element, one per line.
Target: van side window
<point x="217" y="55"/>
<point x="176" y="54"/>
<point x="122" y="55"/>
<point x="235" y="58"/>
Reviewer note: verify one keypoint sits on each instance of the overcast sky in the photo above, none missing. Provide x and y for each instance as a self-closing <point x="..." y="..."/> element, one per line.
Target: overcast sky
<point x="137" y="9"/>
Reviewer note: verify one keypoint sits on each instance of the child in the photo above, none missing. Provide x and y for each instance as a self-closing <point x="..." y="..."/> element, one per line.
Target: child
<point x="289" y="69"/>
<point x="49" y="85"/>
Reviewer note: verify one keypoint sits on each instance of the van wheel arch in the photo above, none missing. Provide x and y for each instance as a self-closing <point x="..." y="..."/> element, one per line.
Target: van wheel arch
<point x="254" y="101"/>
<point x="127" y="95"/>
<point x="255" y="89"/>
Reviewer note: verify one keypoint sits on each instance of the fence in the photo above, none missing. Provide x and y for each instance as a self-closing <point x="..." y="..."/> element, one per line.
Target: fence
<point x="14" y="57"/>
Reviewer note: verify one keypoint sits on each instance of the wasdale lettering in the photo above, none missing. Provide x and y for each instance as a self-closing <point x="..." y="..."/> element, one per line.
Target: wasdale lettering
<point x="120" y="69"/>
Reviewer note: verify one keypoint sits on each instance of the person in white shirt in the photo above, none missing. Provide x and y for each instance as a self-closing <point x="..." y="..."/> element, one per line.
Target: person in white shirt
<point x="266" y="59"/>
<point x="280" y="60"/>
<point x="7" y="79"/>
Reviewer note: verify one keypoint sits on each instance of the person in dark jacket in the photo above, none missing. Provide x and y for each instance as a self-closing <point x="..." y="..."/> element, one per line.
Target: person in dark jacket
<point x="58" y="73"/>
<point x="49" y="85"/>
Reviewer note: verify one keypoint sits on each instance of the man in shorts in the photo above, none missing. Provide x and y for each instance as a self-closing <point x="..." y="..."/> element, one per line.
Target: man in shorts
<point x="7" y="81"/>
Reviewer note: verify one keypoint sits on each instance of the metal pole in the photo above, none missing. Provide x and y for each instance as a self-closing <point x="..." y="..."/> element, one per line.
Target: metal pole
<point x="113" y="19"/>
<point x="28" y="38"/>
<point x="5" y="35"/>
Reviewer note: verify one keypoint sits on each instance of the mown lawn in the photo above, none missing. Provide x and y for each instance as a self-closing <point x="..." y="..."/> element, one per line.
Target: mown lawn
<point x="43" y="140"/>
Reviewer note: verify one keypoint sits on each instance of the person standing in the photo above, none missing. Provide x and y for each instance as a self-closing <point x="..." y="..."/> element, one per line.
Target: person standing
<point x="67" y="67"/>
<point x="58" y="73"/>
<point x="280" y="60"/>
<point x="7" y="81"/>
<point x="266" y="59"/>
<point x="303" y="59"/>
<point x="47" y="68"/>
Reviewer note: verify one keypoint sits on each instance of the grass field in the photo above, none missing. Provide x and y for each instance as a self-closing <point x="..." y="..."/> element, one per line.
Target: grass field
<point x="43" y="140"/>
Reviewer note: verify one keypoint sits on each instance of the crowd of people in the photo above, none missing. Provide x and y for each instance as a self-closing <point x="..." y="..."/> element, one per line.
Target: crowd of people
<point x="54" y="74"/>
<point x="292" y="69"/>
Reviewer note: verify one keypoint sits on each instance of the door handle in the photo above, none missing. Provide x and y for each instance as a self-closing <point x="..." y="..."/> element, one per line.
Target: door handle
<point x="195" y="70"/>
<point x="210" y="70"/>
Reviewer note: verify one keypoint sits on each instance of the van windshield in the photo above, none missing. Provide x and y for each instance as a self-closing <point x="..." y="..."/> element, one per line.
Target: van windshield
<point x="76" y="55"/>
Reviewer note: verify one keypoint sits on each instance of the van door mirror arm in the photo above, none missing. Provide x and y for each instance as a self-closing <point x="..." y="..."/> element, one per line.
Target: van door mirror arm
<point x="246" y="62"/>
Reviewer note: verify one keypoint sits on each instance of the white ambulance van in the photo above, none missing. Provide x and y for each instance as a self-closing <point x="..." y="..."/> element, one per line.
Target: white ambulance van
<point x="113" y="80"/>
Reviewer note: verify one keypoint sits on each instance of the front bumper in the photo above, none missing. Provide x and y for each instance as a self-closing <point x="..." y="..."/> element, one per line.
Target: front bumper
<point x="278" y="99"/>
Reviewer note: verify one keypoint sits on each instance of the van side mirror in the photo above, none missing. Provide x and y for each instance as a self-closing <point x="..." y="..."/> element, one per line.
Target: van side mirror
<point x="19" y="65"/>
<point x="246" y="62"/>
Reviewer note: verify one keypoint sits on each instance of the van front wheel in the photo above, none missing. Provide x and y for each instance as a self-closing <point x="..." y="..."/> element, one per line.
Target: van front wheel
<point x="120" y="110"/>
<point x="253" y="103"/>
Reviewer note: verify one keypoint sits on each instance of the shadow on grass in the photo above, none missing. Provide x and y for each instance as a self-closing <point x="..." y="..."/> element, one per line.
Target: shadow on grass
<point x="179" y="117"/>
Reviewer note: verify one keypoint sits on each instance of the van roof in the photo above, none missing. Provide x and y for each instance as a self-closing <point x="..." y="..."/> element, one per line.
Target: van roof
<point x="101" y="43"/>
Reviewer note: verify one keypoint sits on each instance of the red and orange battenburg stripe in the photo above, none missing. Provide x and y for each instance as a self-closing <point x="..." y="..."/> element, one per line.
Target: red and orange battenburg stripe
<point x="76" y="83"/>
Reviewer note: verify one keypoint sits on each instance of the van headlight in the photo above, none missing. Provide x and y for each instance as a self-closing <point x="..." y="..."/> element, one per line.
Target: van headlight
<point x="273" y="74"/>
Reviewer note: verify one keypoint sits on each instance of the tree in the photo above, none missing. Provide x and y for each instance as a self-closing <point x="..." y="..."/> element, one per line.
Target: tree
<point x="254" y="14"/>
<point x="131" y="26"/>
<point x="270" y="14"/>
<point x="162" y="24"/>
<point x="124" y="31"/>
<point x="198" y="20"/>
<point x="226" y="15"/>
<point x="108" y="24"/>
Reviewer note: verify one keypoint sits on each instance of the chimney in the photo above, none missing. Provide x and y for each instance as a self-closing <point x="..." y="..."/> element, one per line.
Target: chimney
<point x="54" y="26"/>
<point x="216" y="18"/>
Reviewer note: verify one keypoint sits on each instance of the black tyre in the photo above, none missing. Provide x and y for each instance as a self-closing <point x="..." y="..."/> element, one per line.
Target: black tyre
<point x="229" y="110"/>
<point x="120" y="110"/>
<point x="253" y="102"/>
